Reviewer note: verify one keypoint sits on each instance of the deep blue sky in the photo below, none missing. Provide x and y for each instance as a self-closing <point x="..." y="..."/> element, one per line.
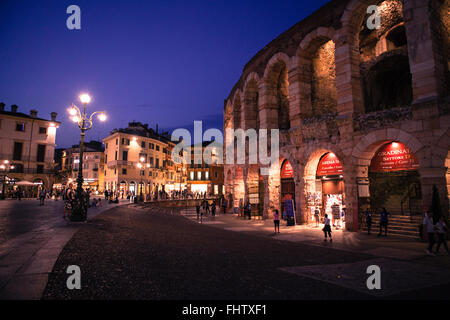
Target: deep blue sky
<point x="166" y="62"/>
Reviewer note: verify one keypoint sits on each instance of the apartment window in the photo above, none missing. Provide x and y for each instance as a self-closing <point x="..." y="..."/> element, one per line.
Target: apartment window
<point x="151" y="146"/>
<point x="192" y="175"/>
<point x="41" y="153"/>
<point x="149" y="173"/>
<point x="40" y="168"/>
<point x="125" y="155"/>
<point x="157" y="147"/>
<point x="126" y="141"/>
<point x="199" y="175"/>
<point x="164" y="150"/>
<point x="105" y="173"/>
<point x="124" y="171"/>
<point x="106" y="146"/>
<point x="215" y="174"/>
<point x="115" y="171"/>
<point x="157" y="163"/>
<point x="95" y="175"/>
<point x="151" y="160"/>
<point x="117" y="141"/>
<point x="143" y="144"/>
<point x="106" y="158"/>
<point x="206" y="175"/>
<point x="17" y="154"/>
<point x="115" y="157"/>
<point x="42" y="130"/>
<point x="20" y="126"/>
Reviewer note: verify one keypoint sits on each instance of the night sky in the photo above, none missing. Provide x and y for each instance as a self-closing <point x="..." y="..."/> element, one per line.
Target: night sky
<point x="158" y="62"/>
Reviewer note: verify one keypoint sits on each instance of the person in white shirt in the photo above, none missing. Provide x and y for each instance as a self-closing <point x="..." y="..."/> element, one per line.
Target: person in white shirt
<point x="442" y="229"/>
<point x="429" y="226"/>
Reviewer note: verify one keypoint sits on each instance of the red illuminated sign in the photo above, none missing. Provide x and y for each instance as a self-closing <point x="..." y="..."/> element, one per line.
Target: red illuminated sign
<point x="329" y="165"/>
<point x="394" y="156"/>
<point x="286" y="171"/>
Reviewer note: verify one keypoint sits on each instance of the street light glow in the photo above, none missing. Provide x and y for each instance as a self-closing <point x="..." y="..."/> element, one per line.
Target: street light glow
<point x="72" y="111"/>
<point x="142" y="159"/>
<point x="102" y="117"/>
<point x="75" y="119"/>
<point x="85" y="98"/>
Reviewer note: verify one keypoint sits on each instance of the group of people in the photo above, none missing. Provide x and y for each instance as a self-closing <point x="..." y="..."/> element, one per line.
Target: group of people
<point x="205" y="208"/>
<point x="384" y="221"/>
<point x="440" y="228"/>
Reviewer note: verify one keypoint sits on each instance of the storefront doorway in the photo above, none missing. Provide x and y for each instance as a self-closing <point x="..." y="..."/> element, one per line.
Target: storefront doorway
<point x="329" y="197"/>
<point x="394" y="180"/>
<point x="287" y="187"/>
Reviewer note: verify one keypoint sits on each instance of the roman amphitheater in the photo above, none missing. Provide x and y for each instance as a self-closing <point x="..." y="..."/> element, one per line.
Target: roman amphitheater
<point x="363" y="113"/>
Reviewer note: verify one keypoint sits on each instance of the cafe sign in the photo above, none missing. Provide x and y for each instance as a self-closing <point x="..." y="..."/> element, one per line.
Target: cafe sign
<point x="329" y="165"/>
<point x="394" y="156"/>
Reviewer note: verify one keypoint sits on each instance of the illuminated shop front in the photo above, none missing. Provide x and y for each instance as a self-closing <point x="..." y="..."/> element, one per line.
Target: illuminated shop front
<point x="394" y="180"/>
<point x="287" y="185"/>
<point x="328" y="196"/>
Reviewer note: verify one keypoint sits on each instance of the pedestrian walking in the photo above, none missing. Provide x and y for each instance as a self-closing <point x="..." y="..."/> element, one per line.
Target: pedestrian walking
<point x="317" y="216"/>
<point x="368" y="220"/>
<point x="213" y="209"/>
<point x="276" y="220"/>
<point x="327" y="228"/>
<point x="442" y="229"/>
<point x="197" y="208"/>
<point x="68" y="201"/>
<point x="384" y="221"/>
<point x="42" y="194"/>
<point x="429" y="227"/>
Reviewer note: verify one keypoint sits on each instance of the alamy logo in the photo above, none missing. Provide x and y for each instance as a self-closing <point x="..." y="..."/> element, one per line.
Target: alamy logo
<point x="74" y="280"/>
<point x="374" y="20"/>
<point x="259" y="150"/>
<point x="74" y="20"/>
<point x="374" y="281"/>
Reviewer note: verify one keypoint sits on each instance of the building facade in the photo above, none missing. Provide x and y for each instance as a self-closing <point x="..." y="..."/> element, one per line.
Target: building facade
<point x="363" y="113"/>
<point x="138" y="160"/>
<point x="204" y="178"/>
<point x="27" y="145"/>
<point x="93" y="165"/>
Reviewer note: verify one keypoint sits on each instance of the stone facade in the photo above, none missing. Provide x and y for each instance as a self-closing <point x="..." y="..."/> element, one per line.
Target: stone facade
<point x="330" y="84"/>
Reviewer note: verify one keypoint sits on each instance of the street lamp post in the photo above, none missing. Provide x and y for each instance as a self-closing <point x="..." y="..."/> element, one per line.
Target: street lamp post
<point x="141" y="165"/>
<point x="80" y="206"/>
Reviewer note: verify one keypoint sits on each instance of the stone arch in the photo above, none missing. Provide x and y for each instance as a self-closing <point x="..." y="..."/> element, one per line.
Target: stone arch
<point x="317" y="78"/>
<point x="277" y="92"/>
<point x="364" y="151"/>
<point x="228" y="115"/>
<point x="251" y="102"/>
<point x="380" y="55"/>
<point x="238" y="185"/>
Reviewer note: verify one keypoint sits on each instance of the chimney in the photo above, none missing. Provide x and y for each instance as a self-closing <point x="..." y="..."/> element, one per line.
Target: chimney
<point x="2" y="106"/>
<point x="33" y="113"/>
<point x="53" y="115"/>
<point x="14" y="108"/>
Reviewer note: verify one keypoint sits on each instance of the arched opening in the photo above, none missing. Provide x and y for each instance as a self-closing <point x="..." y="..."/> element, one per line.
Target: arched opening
<point x="251" y="97"/>
<point x="318" y="78"/>
<point x="387" y="83"/>
<point x="385" y="72"/>
<point x="132" y="187"/>
<point x="279" y="90"/>
<point x="261" y="193"/>
<point x="324" y="182"/>
<point x="394" y="180"/>
<point x="323" y="81"/>
<point x="287" y="192"/>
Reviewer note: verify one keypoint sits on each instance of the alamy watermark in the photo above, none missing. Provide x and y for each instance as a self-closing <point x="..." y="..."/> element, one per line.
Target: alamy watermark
<point x="260" y="151"/>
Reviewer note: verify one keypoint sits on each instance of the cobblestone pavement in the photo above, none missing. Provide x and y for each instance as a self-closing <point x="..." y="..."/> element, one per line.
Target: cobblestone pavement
<point x="31" y="239"/>
<point x="142" y="253"/>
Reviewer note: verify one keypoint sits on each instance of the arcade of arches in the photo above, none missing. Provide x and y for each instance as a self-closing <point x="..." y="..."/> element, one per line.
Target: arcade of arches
<point x="363" y="114"/>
